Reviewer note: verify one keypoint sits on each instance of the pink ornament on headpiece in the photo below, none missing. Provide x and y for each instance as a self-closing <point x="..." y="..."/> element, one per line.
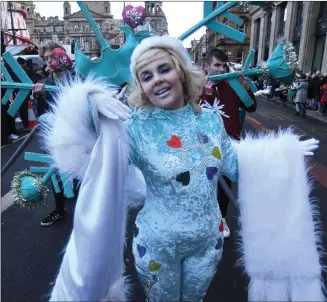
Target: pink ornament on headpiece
<point x="134" y="16"/>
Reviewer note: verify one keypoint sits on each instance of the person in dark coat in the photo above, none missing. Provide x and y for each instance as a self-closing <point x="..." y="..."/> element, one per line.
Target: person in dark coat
<point x="59" y="71"/>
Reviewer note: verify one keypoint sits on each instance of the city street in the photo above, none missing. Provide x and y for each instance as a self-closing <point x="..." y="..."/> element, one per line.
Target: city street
<point x="31" y="255"/>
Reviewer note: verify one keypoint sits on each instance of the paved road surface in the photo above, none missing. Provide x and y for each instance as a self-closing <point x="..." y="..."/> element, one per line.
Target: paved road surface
<point x="31" y="254"/>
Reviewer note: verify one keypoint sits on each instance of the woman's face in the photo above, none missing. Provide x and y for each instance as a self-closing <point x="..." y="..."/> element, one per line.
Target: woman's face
<point x="162" y="84"/>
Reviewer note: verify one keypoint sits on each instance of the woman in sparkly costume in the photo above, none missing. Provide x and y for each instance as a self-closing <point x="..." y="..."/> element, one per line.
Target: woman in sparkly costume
<point x="181" y="150"/>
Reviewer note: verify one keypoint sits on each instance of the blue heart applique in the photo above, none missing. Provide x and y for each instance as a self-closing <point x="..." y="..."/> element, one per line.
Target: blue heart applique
<point x="141" y="250"/>
<point x="211" y="172"/>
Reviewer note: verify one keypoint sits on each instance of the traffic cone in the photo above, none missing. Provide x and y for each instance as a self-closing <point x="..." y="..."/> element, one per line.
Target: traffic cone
<point x="31" y="116"/>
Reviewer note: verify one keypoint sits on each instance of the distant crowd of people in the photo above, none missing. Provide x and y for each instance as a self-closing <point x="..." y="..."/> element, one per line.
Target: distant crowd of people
<point x="311" y="94"/>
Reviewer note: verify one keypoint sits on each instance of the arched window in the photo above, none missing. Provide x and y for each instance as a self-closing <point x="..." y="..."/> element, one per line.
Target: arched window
<point x="242" y="28"/>
<point x="239" y="57"/>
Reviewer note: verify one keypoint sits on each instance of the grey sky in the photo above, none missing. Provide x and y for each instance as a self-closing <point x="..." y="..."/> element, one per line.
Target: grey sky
<point x="180" y="15"/>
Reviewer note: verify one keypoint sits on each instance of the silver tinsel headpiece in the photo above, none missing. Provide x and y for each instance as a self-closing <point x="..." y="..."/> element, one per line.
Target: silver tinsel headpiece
<point x="21" y="199"/>
<point x="291" y="60"/>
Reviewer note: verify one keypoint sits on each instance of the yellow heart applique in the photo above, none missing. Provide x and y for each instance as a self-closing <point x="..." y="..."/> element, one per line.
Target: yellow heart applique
<point x="216" y="152"/>
<point x="154" y="266"/>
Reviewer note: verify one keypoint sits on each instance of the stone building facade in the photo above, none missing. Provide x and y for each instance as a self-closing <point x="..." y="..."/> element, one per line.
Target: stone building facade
<point x="156" y="17"/>
<point x="236" y="51"/>
<point x="303" y="23"/>
<point x="74" y="27"/>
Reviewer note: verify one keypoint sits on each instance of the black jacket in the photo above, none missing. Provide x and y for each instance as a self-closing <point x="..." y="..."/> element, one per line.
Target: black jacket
<point x="43" y="100"/>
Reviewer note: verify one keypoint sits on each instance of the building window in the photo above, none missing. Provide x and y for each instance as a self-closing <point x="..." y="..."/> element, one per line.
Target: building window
<point x="282" y="19"/>
<point x="298" y="24"/>
<point x="322" y="20"/>
<point x="267" y="39"/>
<point x="66" y="10"/>
<point x="106" y="9"/>
<point x="242" y="27"/>
<point x="239" y="57"/>
<point x="299" y="13"/>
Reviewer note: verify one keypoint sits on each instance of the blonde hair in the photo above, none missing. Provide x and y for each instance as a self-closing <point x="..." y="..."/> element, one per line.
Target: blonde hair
<point x="192" y="78"/>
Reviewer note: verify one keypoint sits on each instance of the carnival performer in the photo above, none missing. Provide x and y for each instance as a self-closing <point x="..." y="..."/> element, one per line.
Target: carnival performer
<point x="181" y="150"/>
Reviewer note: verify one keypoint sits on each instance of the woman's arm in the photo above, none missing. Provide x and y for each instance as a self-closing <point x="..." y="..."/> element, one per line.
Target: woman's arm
<point x="94" y="148"/>
<point x="93" y="265"/>
<point x="70" y="135"/>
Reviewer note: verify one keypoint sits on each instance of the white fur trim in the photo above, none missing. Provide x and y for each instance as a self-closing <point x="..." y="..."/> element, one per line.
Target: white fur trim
<point x="281" y="242"/>
<point x="165" y="42"/>
<point x="69" y="136"/>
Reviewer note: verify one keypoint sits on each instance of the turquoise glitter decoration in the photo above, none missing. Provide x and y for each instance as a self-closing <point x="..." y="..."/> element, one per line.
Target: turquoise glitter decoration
<point x="113" y="64"/>
<point x="282" y="65"/>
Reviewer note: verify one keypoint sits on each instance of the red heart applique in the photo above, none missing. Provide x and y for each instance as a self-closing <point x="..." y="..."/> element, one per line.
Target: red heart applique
<point x="175" y="142"/>
<point x="221" y="226"/>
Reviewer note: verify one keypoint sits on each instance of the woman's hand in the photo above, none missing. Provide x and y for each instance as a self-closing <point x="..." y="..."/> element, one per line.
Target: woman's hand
<point x="309" y="145"/>
<point x="110" y="106"/>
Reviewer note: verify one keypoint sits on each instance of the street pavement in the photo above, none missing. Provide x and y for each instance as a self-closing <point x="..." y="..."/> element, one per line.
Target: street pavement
<point x="31" y="255"/>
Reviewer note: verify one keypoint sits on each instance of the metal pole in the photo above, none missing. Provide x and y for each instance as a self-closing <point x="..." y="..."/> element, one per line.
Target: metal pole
<point x="12" y="23"/>
<point x="229" y="193"/>
<point x="19" y="150"/>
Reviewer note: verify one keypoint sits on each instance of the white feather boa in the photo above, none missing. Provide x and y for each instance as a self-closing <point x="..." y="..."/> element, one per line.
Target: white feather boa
<point x="279" y="235"/>
<point x="279" y="225"/>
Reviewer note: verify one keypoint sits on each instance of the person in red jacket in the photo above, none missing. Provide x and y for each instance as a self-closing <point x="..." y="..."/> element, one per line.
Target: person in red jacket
<point x="323" y="100"/>
<point x="217" y="63"/>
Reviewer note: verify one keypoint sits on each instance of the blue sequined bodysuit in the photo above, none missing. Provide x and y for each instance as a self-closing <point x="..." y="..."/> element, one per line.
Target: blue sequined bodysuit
<point x="178" y="242"/>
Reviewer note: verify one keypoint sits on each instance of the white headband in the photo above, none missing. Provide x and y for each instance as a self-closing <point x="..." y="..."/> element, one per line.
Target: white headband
<point x="164" y="42"/>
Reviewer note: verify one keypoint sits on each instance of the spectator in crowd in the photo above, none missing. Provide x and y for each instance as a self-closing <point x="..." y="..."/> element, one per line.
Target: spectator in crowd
<point x="23" y="109"/>
<point x="30" y="71"/>
<point x="316" y="90"/>
<point x="324" y="100"/>
<point x="8" y="127"/>
<point x="27" y="65"/>
<point x="301" y="95"/>
<point x="217" y="63"/>
<point x="59" y="68"/>
<point x="310" y="96"/>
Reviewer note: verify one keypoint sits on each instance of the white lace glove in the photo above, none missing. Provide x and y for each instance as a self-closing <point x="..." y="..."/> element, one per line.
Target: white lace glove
<point x="111" y="106"/>
<point x="309" y="145"/>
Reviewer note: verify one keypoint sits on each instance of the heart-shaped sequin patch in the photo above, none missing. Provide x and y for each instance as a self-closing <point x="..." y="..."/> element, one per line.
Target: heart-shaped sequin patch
<point x="175" y="142"/>
<point x="202" y="138"/>
<point x="216" y="152"/>
<point x="221" y="226"/>
<point x="183" y="178"/>
<point x="211" y="172"/>
<point x="141" y="250"/>
<point x="219" y="244"/>
<point x="154" y="266"/>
